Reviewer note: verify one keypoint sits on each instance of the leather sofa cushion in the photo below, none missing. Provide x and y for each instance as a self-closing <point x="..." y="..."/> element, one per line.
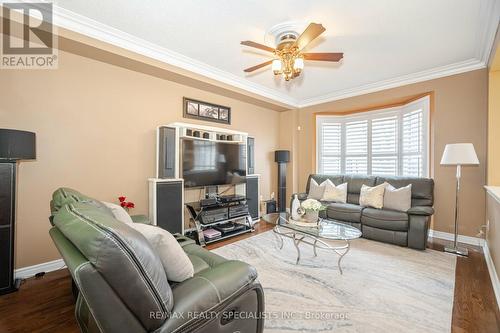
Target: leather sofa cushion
<point x="385" y="219"/>
<point x="208" y="288"/>
<point x="386" y="236"/>
<point x="354" y="183"/>
<point x="211" y="259"/>
<point x="122" y="256"/>
<point x="422" y="189"/>
<point x="344" y="212"/>
<point x="421" y="210"/>
<point x="201" y="258"/>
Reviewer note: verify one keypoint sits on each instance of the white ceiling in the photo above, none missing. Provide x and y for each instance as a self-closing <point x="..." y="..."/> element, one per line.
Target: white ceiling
<point x="385" y="42"/>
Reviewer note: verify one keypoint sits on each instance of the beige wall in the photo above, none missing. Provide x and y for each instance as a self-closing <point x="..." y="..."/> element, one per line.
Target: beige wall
<point x="494" y="127"/>
<point x="459" y="115"/>
<point x="95" y="126"/>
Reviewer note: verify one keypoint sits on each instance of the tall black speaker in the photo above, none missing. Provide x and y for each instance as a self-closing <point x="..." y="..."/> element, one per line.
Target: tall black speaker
<point x="167" y="204"/>
<point x="282" y="157"/>
<point x="251" y="155"/>
<point x="167" y="152"/>
<point x="252" y="195"/>
<point x="14" y="145"/>
<point x="7" y="226"/>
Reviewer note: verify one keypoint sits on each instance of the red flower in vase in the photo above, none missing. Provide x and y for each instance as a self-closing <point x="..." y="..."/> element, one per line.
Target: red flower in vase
<point x="126" y="204"/>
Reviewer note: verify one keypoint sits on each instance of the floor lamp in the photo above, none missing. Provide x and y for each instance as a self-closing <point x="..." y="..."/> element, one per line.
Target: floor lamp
<point x="458" y="154"/>
<point x="14" y="146"/>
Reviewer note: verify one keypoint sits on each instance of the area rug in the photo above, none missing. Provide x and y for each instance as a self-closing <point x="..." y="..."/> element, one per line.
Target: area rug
<point x="384" y="288"/>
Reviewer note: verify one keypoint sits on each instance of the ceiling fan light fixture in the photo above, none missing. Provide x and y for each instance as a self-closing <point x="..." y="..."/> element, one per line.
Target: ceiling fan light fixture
<point x="298" y="64"/>
<point x="276" y="66"/>
<point x="288" y="55"/>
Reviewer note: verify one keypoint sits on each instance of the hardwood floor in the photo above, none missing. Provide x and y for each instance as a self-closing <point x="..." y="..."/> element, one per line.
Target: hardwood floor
<point x="475" y="307"/>
<point x="46" y="304"/>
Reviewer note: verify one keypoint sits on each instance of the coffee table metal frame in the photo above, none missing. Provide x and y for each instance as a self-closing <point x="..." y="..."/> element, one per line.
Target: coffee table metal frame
<point x="302" y="237"/>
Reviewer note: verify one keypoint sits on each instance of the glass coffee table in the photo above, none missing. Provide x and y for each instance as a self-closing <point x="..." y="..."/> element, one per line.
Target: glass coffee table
<point x="314" y="235"/>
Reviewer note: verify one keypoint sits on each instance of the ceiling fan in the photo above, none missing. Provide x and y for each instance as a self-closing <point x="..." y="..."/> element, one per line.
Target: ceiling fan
<point x="289" y="60"/>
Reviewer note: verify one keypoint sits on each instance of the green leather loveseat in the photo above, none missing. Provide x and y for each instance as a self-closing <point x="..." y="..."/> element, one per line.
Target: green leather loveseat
<point x="122" y="286"/>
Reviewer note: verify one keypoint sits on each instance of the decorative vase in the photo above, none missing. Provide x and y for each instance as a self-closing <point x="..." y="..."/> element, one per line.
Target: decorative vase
<point x="311" y="216"/>
<point x="295" y="208"/>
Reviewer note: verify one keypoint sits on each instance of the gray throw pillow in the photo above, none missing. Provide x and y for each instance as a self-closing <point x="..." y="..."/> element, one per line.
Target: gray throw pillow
<point x="175" y="261"/>
<point x="316" y="191"/>
<point x="397" y="198"/>
<point x="119" y="212"/>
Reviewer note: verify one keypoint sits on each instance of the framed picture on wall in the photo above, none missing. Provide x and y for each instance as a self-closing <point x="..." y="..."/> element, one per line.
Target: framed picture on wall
<point x="195" y="109"/>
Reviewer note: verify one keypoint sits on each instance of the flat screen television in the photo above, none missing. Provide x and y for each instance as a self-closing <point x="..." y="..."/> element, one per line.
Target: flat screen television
<point x="208" y="163"/>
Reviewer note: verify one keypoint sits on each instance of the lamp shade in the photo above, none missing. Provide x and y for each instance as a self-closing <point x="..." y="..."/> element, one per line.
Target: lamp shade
<point x="459" y="154"/>
<point x="17" y="145"/>
<point x="282" y="156"/>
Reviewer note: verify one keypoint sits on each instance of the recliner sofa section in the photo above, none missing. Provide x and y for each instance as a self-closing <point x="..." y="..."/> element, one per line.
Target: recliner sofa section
<point x="395" y="227"/>
<point x="122" y="285"/>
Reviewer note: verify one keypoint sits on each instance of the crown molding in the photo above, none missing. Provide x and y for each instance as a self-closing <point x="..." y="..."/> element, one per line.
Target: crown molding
<point x="81" y="24"/>
<point x="488" y="14"/>
<point x="434" y="73"/>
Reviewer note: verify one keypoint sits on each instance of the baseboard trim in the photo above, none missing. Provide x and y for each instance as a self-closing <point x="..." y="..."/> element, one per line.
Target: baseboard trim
<point x="30" y="271"/>
<point x="461" y="238"/>
<point x="493" y="272"/>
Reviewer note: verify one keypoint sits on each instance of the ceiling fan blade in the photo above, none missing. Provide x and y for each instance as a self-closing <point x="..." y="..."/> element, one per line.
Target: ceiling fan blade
<point x="251" y="69"/>
<point x="257" y="45"/>
<point x="311" y="33"/>
<point x="323" y="56"/>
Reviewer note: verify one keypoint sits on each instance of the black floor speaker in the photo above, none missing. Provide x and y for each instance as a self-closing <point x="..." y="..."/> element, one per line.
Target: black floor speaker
<point x="282" y="157"/>
<point x="252" y="194"/>
<point x="168" y="212"/>
<point x="7" y="226"/>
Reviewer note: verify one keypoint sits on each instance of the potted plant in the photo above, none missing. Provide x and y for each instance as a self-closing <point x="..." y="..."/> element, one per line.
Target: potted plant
<point x="312" y="208"/>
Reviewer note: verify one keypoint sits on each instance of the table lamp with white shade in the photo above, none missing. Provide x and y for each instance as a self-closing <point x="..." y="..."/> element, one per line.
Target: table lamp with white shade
<point x="458" y="154"/>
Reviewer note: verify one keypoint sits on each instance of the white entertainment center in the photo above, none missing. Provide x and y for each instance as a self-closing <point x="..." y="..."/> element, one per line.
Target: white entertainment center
<point x="194" y="164"/>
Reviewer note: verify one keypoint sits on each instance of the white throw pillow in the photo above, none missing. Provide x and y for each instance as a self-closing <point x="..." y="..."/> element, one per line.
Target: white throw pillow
<point x="315" y="190"/>
<point x="335" y="193"/>
<point x="118" y="212"/>
<point x="175" y="261"/>
<point x="397" y="198"/>
<point x="372" y="196"/>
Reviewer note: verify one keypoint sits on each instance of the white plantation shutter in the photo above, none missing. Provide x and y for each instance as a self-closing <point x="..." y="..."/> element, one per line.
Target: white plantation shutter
<point x="412" y="140"/>
<point x="383" y="142"/>
<point x="356" y="147"/>
<point x="385" y="146"/>
<point x="330" y="143"/>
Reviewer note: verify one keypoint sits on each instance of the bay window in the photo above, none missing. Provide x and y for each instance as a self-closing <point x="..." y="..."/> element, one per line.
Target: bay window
<point x="390" y="142"/>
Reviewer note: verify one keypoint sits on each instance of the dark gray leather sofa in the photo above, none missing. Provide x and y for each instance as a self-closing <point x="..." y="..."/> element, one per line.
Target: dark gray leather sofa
<point x="400" y="228"/>
<point x="122" y="286"/>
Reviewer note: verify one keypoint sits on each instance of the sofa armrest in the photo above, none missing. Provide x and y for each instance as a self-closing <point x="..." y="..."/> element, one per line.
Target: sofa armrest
<point x="421" y="210"/>
<point x="183" y="240"/>
<point x="140" y="219"/>
<point x="207" y="291"/>
<point x="418" y="231"/>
